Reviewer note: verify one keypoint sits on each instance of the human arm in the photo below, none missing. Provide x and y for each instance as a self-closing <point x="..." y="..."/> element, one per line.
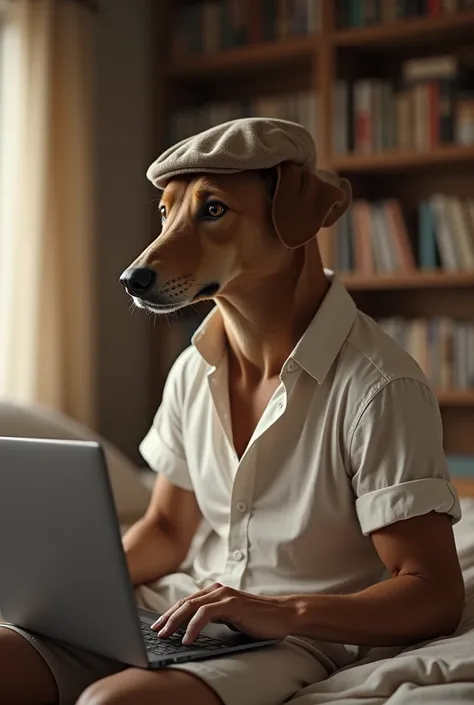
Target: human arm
<point x="423" y="599"/>
<point x="158" y="543"/>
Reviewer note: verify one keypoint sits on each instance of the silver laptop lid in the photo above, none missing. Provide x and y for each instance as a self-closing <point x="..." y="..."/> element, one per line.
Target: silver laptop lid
<point x="62" y="568"/>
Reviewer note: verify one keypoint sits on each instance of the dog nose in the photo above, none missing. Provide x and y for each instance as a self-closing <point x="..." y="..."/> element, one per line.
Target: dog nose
<point x="138" y="280"/>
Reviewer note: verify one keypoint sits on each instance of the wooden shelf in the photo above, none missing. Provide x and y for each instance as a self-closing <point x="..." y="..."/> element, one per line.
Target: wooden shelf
<point x="456" y="397"/>
<point x="419" y="280"/>
<point x="397" y="160"/>
<point x="419" y="30"/>
<point x="244" y="59"/>
<point x="464" y="486"/>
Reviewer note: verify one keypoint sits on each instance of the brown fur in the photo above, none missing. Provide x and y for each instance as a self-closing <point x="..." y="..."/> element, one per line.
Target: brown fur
<point x="191" y="253"/>
<point x="264" y="256"/>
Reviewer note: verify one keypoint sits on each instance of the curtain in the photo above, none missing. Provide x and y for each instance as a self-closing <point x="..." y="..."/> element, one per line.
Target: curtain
<point x="46" y="206"/>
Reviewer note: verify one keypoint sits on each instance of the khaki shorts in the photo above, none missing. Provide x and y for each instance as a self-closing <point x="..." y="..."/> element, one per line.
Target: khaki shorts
<point x="265" y="677"/>
<point x="269" y="676"/>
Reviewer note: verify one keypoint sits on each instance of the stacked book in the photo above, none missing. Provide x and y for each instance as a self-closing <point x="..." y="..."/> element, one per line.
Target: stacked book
<point x="446" y="233"/>
<point x="216" y="25"/>
<point x="461" y="465"/>
<point x="363" y="13"/>
<point x="443" y="348"/>
<point x="432" y="105"/>
<point x="298" y="107"/>
<point x="372" y="238"/>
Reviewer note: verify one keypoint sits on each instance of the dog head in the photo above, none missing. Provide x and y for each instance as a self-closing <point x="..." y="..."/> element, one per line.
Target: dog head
<point x="221" y="231"/>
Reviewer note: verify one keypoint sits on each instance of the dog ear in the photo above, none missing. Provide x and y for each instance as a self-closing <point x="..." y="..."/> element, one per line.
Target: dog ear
<point x="304" y="202"/>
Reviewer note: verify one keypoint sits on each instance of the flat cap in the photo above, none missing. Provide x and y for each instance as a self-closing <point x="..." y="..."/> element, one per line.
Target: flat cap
<point x="240" y="145"/>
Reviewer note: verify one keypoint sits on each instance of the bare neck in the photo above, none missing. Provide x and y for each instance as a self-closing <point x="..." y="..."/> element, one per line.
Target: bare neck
<point x="265" y="319"/>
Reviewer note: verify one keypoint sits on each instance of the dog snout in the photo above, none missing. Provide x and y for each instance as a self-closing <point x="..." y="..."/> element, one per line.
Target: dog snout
<point x="138" y="281"/>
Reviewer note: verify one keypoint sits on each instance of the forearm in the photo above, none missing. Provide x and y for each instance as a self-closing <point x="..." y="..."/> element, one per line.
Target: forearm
<point x="402" y="610"/>
<point x="150" y="552"/>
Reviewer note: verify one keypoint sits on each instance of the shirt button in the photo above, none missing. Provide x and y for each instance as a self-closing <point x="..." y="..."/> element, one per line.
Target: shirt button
<point x="281" y="404"/>
<point x="241" y="506"/>
<point x="291" y="366"/>
<point x="238" y="555"/>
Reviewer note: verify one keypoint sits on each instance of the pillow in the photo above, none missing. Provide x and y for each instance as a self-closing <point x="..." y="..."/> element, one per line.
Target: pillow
<point x="131" y="493"/>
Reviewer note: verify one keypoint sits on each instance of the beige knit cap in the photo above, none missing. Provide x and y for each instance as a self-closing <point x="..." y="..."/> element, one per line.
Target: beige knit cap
<point x="241" y="145"/>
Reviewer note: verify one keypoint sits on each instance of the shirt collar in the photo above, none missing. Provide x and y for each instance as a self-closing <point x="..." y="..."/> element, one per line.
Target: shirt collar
<point x="318" y="347"/>
<point x="209" y="338"/>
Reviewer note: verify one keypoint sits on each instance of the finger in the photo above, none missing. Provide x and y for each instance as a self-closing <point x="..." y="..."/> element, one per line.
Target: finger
<point x="161" y="621"/>
<point x="224" y="610"/>
<point x="176" y="620"/>
<point x="187" y="610"/>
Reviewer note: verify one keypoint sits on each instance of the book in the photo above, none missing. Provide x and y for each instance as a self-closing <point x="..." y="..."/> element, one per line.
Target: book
<point x="432" y="104"/>
<point x="440" y="346"/>
<point x="300" y="107"/>
<point x="461" y="465"/>
<point x="444" y="237"/>
<point x="351" y="14"/>
<point x="217" y="25"/>
<point x="428" y="256"/>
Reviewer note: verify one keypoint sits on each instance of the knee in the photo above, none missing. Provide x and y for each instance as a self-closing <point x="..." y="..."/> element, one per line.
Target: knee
<point x="97" y="694"/>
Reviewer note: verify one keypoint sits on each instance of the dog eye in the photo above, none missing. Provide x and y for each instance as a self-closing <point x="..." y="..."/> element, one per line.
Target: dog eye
<point x="214" y="210"/>
<point x="162" y="210"/>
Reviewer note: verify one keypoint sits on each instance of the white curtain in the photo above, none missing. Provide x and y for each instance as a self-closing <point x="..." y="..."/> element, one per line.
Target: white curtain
<point x="46" y="206"/>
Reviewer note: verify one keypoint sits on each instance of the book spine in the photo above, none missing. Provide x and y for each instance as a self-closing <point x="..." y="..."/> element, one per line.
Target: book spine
<point x="340" y="98"/>
<point x="464" y="121"/>
<point x="433" y="110"/>
<point x="268" y="15"/>
<point x="459" y="228"/>
<point x="400" y="235"/>
<point x="363" y="117"/>
<point x="254" y="15"/>
<point x="427" y="238"/>
<point x="443" y="236"/>
<point x="362" y="238"/>
<point x="381" y="232"/>
<point x="343" y="17"/>
<point x="404" y="120"/>
<point x="446" y="111"/>
<point x="470" y="357"/>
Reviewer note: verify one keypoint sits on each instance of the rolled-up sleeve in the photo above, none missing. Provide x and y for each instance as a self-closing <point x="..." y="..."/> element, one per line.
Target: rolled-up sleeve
<point x="399" y="468"/>
<point x="163" y="447"/>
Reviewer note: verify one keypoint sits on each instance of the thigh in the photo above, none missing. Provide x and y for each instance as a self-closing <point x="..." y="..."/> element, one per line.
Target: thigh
<point x="268" y="676"/>
<point x="163" y="687"/>
<point x="70" y="670"/>
<point x="262" y="677"/>
<point x="18" y="658"/>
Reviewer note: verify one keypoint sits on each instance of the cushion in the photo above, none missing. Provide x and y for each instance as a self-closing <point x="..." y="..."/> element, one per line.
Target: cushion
<point x="131" y="494"/>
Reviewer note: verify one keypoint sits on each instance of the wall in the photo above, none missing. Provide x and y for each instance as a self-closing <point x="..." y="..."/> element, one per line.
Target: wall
<point x="124" y="149"/>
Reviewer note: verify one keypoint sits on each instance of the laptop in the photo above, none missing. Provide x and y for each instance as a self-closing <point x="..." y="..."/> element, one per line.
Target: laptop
<point x="63" y="569"/>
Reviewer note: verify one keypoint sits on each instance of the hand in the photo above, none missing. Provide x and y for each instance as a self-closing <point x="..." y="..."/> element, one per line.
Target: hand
<point x="258" y="617"/>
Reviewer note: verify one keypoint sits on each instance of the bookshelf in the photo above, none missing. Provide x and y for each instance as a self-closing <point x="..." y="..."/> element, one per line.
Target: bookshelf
<point x="313" y="63"/>
<point x="400" y="160"/>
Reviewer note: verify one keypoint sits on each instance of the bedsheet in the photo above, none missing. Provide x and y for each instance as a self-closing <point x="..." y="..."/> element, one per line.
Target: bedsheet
<point x="439" y="672"/>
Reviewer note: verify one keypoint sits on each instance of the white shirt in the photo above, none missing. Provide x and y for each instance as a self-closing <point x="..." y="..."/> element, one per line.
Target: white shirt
<point x="350" y="442"/>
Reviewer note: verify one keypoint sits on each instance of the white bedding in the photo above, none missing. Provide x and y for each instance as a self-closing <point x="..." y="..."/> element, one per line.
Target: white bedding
<point x="439" y="672"/>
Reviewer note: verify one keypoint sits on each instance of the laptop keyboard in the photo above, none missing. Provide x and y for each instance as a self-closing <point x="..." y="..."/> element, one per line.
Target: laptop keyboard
<point x="173" y="644"/>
